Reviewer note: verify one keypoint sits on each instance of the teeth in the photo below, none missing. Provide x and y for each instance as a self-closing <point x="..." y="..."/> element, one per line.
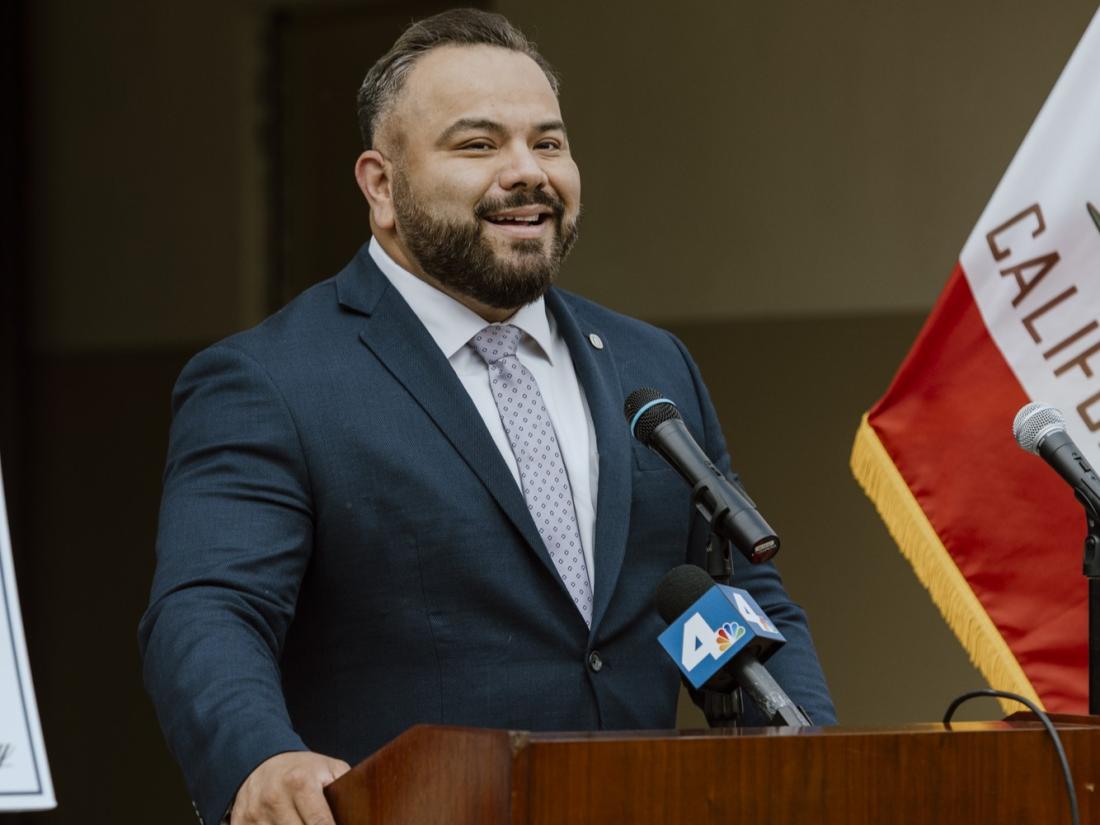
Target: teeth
<point x="512" y="219"/>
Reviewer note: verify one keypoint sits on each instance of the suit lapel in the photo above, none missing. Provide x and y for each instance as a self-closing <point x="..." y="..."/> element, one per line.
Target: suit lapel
<point x="602" y="389"/>
<point x="401" y="343"/>
<point x="397" y="338"/>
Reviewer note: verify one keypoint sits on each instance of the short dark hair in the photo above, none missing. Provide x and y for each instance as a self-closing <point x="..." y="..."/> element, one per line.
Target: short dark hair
<point x="461" y="27"/>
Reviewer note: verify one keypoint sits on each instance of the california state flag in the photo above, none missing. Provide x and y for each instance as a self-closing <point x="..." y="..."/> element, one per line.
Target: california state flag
<point x="994" y="534"/>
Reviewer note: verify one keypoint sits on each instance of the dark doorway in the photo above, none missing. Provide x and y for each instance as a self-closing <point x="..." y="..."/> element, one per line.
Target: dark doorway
<point x="318" y="217"/>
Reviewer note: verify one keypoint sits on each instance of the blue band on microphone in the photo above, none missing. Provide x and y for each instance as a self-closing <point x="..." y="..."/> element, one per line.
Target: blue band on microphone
<point x="646" y="406"/>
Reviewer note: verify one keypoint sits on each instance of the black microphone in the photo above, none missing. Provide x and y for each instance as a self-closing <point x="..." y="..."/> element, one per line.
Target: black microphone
<point x="655" y="421"/>
<point x="1041" y="429"/>
<point x="678" y="591"/>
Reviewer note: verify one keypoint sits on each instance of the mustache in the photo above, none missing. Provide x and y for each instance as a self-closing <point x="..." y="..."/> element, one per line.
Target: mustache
<point x="533" y="197"/>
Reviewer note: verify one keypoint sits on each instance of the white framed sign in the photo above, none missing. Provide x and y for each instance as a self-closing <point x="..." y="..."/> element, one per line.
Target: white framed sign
<point x="25" y="783"/>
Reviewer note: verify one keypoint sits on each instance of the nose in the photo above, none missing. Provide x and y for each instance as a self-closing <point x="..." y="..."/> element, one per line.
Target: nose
<point x="522" y="170"/>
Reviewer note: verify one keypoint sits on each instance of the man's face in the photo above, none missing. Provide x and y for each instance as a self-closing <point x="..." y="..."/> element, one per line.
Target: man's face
<point x="485" y="192"/>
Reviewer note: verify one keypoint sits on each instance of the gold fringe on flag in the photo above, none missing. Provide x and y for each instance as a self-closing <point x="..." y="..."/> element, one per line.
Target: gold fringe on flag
<point x="936" y="570"/>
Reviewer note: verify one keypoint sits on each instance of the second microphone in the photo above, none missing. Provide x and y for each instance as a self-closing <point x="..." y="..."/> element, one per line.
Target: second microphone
<point x="655" y="421"/>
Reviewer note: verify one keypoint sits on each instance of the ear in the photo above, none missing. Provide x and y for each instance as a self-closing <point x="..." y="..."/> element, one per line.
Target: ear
<point x="372" y="173"/>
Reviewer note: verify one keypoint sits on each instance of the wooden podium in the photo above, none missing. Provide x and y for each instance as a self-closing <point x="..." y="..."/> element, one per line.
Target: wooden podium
<point x="974" y="773"/>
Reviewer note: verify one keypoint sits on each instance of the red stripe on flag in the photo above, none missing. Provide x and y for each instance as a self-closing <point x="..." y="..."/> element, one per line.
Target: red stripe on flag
<point x="1011" y="525"/>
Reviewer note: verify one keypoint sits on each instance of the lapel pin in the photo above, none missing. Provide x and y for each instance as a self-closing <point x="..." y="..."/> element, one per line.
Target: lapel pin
<point x="595" y="340"/>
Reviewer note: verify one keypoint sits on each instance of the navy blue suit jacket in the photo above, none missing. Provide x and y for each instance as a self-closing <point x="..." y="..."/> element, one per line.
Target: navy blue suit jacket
<point x="344" y="553"/>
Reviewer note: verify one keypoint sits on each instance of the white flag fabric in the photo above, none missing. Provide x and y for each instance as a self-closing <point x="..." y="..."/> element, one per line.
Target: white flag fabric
<point x="1031" y="259"/>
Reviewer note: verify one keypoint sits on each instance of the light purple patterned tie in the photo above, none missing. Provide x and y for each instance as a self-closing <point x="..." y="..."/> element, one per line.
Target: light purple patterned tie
<point x="541" y="468"/>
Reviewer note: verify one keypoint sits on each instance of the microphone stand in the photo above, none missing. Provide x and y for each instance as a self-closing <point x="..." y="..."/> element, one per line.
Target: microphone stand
<point x="723" y="709"/>
<point x="1091" y="569"/>
<point x="719" y="560"/>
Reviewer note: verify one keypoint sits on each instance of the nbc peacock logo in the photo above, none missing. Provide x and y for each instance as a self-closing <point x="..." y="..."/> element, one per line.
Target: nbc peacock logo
<point x="728" y="634"/>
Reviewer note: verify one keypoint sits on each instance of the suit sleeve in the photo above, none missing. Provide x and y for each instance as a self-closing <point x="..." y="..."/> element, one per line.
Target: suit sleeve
<point x="234" y="540"/>
<point x="795" y="666"/>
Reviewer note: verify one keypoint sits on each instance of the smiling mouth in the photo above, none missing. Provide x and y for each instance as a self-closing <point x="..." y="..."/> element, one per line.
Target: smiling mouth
<point x="524" y="224"/>
<point x="519" y="220"/>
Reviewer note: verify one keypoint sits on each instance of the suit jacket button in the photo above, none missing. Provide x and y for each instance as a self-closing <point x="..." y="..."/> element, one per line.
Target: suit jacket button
<point x="595" y="662"/>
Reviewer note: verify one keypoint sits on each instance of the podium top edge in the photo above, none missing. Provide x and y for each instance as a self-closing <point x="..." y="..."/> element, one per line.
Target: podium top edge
<point x="1019" y="722"/>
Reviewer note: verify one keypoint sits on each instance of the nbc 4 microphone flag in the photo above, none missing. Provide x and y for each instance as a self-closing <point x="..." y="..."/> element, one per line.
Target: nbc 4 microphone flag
<point x="994" y="534"/>
<point x="714" y="629"/>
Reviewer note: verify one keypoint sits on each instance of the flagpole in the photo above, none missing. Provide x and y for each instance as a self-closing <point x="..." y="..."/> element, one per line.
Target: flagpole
<point x="1092" y="573"/>
<point x="1094" y="646"/>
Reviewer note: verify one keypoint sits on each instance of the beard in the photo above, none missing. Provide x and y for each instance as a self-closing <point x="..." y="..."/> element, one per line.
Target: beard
<point x="459" y="256"/>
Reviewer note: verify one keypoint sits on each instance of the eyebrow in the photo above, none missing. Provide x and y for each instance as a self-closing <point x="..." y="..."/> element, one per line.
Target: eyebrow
<point x="484" y="124"/>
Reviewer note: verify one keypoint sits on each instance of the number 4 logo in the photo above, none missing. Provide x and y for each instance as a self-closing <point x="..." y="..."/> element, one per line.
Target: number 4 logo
<point x="752" y="616"/>
<point x="699" y="642"/>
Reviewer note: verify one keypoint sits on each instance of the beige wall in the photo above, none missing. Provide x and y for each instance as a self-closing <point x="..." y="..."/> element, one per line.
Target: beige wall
<point x="784" y="158"/>
<point x="739" y="159"/>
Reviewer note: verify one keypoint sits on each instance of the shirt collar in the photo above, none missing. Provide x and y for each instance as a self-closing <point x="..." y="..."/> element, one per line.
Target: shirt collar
<point x="450" y="323"/>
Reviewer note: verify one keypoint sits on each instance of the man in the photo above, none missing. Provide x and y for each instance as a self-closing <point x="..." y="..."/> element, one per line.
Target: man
<point x="383" y="506"/>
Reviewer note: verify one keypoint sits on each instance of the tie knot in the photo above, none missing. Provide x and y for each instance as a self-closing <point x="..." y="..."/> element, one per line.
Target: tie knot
<point x="496" y="341"/>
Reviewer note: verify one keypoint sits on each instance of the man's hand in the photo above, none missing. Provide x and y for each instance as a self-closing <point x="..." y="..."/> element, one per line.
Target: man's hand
<point x="287" y="790"/>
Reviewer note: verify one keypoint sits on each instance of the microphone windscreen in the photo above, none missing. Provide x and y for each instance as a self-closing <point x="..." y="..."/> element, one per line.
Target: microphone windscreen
<point x="657" y="414"/>
<point x="1034" y="422"/>
<point x="680" y="589"/>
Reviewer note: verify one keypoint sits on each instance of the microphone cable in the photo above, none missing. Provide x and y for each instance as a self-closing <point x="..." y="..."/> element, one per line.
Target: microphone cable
<point x="1074" y="814"/>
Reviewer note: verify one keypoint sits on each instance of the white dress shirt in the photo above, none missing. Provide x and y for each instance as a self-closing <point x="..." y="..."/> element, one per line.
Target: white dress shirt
<point x="544" y="352"/>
